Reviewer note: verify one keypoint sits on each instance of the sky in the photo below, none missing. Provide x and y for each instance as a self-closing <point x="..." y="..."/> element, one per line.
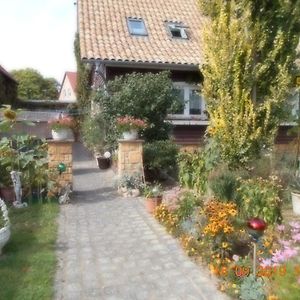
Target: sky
<point x="38" y="34"/>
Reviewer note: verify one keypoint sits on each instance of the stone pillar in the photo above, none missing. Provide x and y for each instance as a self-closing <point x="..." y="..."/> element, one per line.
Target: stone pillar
<point x="61" y="152"/>
<point x="130" y="157"/>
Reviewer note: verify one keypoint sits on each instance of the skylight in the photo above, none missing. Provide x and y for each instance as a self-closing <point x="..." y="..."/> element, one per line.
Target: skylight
<point x="177" y="31"/>
<point x="136" y="26"/>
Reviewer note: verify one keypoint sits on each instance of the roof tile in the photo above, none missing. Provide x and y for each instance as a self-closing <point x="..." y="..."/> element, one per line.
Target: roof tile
<point x="104" y="33"/>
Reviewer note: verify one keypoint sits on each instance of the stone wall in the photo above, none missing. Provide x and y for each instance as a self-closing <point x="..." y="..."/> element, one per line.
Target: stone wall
<point x="130" y="157"/>
<point x="61" y="152"/>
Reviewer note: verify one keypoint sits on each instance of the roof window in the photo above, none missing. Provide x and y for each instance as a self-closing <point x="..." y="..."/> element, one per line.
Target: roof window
<point x="177" y="30"/>
<point x="136" y="26"/>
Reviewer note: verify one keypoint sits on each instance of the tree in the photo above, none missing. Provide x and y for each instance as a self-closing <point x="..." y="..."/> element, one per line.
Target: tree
<point x="146" y="96"/>
<point x="250" y="49"/>
<point x="33" y="86"/>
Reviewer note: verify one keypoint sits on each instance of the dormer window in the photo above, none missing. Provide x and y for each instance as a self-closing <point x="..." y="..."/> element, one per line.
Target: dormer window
<point x="177" y="30"/>
<point x="136" y="26"/>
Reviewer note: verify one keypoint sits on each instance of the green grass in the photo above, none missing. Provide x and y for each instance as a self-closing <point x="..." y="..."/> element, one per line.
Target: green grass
<point x="28" y="262"/>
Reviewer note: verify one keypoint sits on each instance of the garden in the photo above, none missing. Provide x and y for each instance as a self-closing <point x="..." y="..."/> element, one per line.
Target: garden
<point x="231" y="203"/>
<point x="28" y="227"/>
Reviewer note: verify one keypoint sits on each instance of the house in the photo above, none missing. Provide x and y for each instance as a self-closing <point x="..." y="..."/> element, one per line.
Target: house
<point x="8" y="88"/>
<point x="119" y="37"/>
<point x="68" y="87"/>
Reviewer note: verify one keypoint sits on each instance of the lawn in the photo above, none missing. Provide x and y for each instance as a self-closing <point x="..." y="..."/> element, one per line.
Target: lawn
<point x="27" y="265"/>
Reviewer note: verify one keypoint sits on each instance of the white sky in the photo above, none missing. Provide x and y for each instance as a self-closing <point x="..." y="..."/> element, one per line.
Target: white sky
<point x="38" y="34"/>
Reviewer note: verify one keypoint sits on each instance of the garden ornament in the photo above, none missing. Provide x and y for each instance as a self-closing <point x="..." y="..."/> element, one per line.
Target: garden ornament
<point x="256" y="229"/>
<point x="64" y="198"/>
<point x="107" y="154"/>
<point x="15" y="176"/>
<point x="61" y="167"/>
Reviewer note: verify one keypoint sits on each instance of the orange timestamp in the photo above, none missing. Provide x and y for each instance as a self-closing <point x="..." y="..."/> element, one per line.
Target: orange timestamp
<point x="262" y="271"/>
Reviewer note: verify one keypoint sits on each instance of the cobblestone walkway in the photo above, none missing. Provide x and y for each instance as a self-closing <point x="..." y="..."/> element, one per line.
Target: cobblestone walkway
<point x="110" y="248"/>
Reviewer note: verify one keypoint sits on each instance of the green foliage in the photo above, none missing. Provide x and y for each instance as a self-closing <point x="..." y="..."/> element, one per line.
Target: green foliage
<point x="83" y="89"/>
<point x="252" y="288"/>
<point x="28" y="266"/>
<point x="187" y="203"/>
<point x="244" y="89"/>
<point x="193" y="172"/>
<point x="160" y="156"/>
<point x="93" y="131"/>
<point x="153" y="191"/>
<point x="28" y="155"/>
<point x="33" y="86"/>
<point x="260" y="198"/>
<point x="149" y="97"/>
<point x="287" y="286"/>
<point x="223" y="185"/>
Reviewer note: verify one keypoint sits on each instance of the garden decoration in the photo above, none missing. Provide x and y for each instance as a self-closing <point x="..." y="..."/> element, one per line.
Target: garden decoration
<point x="4" y="225"/>
<point x="64" y="198"/>
<point x="16" y="179"/>
<point x="256" y="229"/>
<point x="61" y="167"/>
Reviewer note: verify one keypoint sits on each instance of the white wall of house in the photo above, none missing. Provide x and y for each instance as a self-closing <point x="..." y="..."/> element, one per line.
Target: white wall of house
<point x="67" y="93"/>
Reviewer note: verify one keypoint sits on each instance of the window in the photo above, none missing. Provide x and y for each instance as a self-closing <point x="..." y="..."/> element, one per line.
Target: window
<point x="136" y="27"/>
<point x="177" y="31"/>
<point x="193" y="101"/>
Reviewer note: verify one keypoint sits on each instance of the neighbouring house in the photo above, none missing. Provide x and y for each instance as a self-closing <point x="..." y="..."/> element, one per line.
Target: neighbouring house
<point x="68" y="87"/>
<point x="119" y="37"/>
<point x="8" y="88"/>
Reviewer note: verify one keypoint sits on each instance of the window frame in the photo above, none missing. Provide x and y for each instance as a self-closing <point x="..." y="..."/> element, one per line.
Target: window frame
<point x="186" y="112"/>
<point x="131" y="31"/>
<point x="180" y="27"/>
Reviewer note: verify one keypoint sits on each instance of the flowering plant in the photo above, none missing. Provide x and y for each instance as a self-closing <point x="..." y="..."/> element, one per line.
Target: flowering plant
<point x="61" y="122"/>
<point x="4" y="220"/>
<point x="128" y="123"/>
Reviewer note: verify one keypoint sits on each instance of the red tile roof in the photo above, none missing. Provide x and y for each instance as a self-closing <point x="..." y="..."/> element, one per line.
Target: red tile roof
<point x="73" y="79"/>
<point x="104" y="33"/>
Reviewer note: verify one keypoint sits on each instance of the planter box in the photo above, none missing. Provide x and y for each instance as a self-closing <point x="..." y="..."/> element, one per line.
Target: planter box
<point x="4" y="236"/>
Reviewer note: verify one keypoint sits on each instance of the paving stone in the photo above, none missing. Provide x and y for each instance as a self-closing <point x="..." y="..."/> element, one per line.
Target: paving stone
<point x="110" y="248"/>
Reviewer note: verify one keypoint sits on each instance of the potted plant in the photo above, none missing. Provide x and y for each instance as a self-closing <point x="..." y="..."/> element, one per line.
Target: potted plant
<point x="129" y="185"/>
<point x="129" y="127"/>
<point x="295" y="192"/>
<point x="103" y="161"/>
<point x="61" y="127"/>
<point x="4" y="225"/>
<point x="153" y="195"/>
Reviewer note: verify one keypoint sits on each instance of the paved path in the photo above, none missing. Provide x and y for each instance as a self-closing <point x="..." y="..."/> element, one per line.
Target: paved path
<point x="110" y="248"/>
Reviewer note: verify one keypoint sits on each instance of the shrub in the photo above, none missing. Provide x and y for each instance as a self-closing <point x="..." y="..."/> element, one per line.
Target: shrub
<point x="260" y="198"/>
<point x="187" y="204"/>
<point x="193" y="171"/>
<point x="224" y="185"/>
<point x="149" y="97"/>
<point x="160" y="155"/>
<point x="94" y="133"/>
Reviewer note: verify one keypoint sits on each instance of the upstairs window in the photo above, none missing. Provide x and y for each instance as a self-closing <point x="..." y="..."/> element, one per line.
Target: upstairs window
<point x="136" y="26"/>
<point x="177" y="30"/>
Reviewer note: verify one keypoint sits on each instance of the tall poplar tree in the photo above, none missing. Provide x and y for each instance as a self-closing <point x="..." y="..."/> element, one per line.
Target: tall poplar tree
<point x="249" y="48"/>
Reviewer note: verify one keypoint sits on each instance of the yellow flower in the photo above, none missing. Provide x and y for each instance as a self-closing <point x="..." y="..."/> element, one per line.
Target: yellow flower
<point x="225" y="245"/>
<point x="273" y="297"/>
<point x="10" y="114"/>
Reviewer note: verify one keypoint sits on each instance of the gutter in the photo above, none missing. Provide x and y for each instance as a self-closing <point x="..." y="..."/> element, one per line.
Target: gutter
<point x="146" y="65"/>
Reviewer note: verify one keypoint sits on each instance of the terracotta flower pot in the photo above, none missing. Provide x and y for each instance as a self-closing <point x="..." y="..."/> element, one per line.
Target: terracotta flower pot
<point x="152" y="203"/>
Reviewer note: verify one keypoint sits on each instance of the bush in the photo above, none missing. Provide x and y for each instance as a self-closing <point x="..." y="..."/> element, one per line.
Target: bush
<point x="149" y="97"/>
<point x="260" y="198"/>
<point x="94" y="133"/>
<point x="160" y="156"/>
<point x="193" y="172"/>
<point x="223" y="185"/>
<point x="187" y="204"/>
